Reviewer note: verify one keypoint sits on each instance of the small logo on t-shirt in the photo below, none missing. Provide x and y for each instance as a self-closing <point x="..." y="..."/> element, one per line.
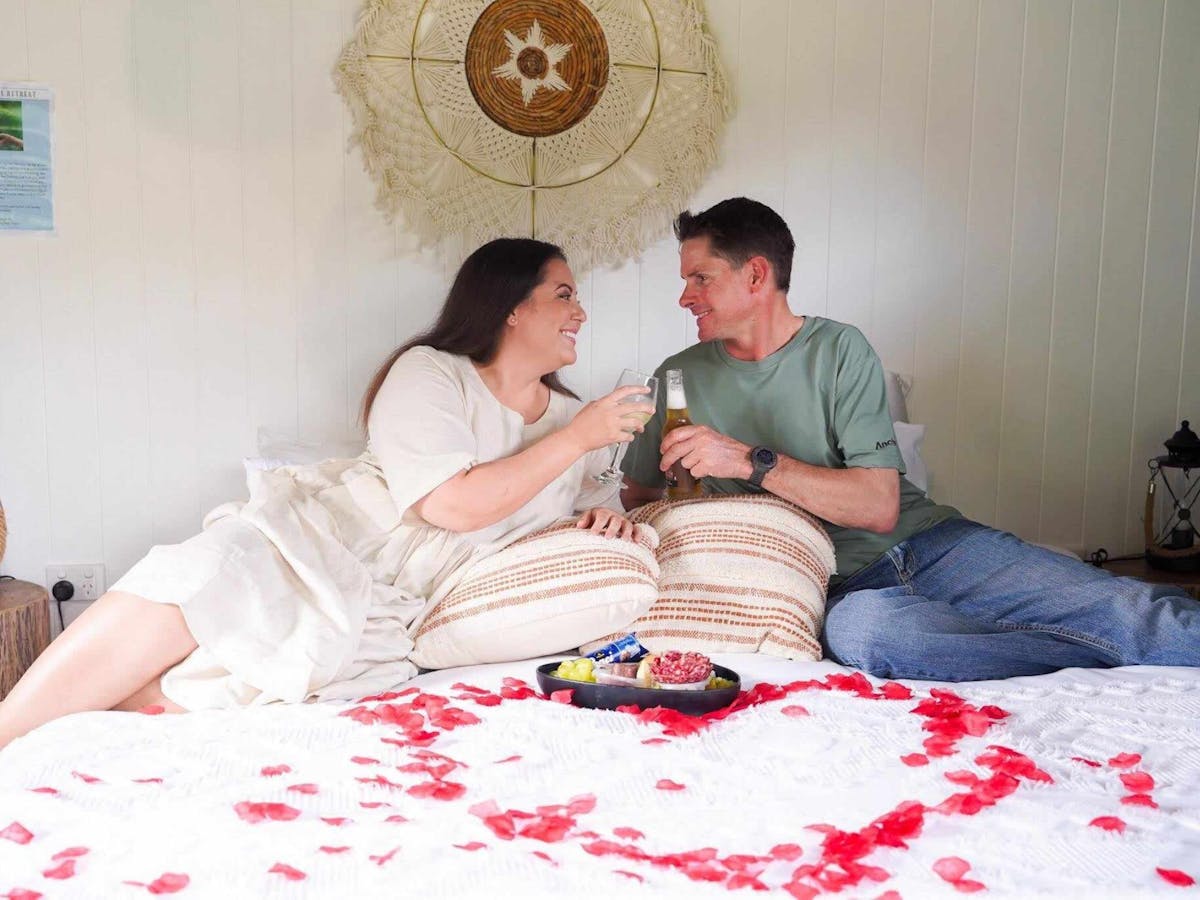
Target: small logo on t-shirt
<point x="879" y="445"/>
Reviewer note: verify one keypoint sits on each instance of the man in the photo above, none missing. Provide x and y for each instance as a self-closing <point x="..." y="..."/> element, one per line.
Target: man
<point x="796" y="405"/>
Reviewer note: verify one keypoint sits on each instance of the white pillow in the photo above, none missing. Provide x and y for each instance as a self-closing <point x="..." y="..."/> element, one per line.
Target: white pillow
<point x="908" y="439"/>
<point x="277" y="449"/>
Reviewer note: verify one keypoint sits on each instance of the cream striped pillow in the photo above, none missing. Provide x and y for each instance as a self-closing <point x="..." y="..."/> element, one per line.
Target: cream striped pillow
<point x="738" y="573"/>
<point x="548" y="592"/>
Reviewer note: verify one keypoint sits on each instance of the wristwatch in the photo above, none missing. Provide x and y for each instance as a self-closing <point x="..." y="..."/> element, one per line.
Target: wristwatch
<point x="763" y="459"/>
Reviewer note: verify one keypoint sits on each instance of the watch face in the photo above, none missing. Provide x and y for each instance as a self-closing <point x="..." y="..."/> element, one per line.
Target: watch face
<point x="764" y="456"/>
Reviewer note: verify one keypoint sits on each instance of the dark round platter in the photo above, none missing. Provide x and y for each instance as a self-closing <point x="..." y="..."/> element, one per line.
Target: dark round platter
<point x="609" y="696"/>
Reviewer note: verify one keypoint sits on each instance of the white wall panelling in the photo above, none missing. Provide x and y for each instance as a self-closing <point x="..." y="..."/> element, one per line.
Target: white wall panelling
<point x="1002" y="195"/>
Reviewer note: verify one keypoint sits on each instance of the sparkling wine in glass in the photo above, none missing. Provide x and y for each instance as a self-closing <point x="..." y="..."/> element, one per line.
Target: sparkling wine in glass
<point x="612" y="475"/>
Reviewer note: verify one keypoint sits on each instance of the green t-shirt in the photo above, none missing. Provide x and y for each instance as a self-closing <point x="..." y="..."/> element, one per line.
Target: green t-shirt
<point x="820" y="399"/>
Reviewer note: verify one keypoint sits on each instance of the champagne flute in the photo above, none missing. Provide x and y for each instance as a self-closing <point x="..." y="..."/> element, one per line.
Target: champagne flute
<point x="613" y="475"/>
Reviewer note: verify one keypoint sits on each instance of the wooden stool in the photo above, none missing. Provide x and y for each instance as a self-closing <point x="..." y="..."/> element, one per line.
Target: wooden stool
<point x="24" y="629"/>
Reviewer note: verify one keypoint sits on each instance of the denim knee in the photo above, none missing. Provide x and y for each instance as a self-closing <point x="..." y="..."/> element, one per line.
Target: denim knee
<point x="860" y="628"/>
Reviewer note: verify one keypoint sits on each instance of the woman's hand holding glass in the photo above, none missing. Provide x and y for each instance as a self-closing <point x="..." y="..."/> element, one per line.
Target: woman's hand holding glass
<point x="632" y="404"/>
<point x="613" y="419"/>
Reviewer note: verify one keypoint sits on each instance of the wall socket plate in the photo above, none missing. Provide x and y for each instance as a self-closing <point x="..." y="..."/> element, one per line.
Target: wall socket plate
<point x="88" y="579"/>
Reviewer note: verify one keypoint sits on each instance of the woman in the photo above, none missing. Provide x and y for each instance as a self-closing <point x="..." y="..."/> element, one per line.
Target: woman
<point x="311" y="588"/>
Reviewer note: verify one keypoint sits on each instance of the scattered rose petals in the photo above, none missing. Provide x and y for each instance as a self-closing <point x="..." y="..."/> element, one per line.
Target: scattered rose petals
<point x="787" y="852"/>
<point x="167" y="883"/>
<point x="894" y="690"/>
<point x="666" y="784"/>
<point x="289" y="872"/>
<point x="1140" y="800"/>
<point x="472" y="846"/>
<point x="64" y="870"/>
<point x="1109" y="823"/>
<point x="17" y="833"/>
<point x="952" y="869"/>
<point x="1125" y="760"/>
<point x="438" y="790"/>
<point x="259" y="812"/>
<point x="154" y="709"/>
<point x="272" y="771"/>
<point x="1138" y="782"/>
<point x="70" y="853"/>
<point x="630" y="834"/>
<point x="915" y="759"/>
<point x="1176" y="877"/>
<point x="385" y="857"/>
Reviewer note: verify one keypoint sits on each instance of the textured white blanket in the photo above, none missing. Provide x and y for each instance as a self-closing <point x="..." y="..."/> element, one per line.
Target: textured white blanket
<point x="1080" y="784"/>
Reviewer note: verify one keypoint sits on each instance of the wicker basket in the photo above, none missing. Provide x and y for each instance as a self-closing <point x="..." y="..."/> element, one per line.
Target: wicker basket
<point x="3" y="532"/>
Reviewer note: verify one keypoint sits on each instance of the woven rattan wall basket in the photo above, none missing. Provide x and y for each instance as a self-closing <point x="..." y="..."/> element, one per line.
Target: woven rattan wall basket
<point x="587" y="123"/>
<point x="3" y="532"/>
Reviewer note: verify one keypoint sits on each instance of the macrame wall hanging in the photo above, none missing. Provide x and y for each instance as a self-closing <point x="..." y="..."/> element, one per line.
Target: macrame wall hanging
<point x="586" y="123"/>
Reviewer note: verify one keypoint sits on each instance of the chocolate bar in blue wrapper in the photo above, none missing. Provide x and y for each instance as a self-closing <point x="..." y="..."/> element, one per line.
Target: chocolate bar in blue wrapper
<point x="625" y="649"/>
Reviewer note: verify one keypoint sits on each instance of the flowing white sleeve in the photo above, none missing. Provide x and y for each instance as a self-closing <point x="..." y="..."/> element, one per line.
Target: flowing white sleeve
<point x="419" y="428"/>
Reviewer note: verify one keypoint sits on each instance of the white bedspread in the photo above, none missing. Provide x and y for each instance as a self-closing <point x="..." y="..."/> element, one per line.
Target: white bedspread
<point x="498" y="793"/>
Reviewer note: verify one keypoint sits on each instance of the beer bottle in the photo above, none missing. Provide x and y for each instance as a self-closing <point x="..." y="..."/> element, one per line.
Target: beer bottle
<point x="680" y="482"/>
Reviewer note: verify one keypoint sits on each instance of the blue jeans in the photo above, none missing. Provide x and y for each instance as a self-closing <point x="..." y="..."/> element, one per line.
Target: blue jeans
<point x="964" y="602"/>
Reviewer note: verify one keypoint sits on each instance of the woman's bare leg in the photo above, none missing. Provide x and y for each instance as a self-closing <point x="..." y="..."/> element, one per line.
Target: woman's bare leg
<point x="120" y="644"/>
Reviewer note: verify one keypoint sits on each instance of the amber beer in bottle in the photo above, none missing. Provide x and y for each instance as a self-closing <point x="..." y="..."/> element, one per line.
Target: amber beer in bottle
<point x="680" y="483"/>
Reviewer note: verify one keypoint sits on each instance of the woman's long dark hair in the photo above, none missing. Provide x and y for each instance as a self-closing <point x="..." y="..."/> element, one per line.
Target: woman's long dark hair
<point x="489" y="285"/>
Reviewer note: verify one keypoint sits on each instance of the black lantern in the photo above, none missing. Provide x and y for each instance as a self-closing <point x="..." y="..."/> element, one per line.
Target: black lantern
<point x="1171" y="541"/>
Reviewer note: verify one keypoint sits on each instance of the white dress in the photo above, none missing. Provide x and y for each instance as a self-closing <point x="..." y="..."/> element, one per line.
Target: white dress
<point x="313" y="587"/>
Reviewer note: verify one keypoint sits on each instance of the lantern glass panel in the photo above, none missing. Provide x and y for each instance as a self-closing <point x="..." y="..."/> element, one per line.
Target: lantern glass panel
<point x="1176" y="492"/>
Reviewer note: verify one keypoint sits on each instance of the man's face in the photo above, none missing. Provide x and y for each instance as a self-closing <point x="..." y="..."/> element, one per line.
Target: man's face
<point x="717" y="294"/>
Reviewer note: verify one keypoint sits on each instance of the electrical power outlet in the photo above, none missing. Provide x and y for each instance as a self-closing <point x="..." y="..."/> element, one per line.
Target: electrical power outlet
<point x="88" y="580"/>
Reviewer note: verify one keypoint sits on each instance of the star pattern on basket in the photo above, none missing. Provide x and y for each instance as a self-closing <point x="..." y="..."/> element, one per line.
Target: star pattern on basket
<point x="532" y="62"/>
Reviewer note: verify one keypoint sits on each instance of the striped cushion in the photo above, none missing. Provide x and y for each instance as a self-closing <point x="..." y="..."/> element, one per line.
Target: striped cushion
<point x="745" y="573"/>
<point x="550" y="591"/>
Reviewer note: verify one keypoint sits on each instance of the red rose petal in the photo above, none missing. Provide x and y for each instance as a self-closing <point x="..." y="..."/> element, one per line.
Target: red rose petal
<point x="272" y="771"/>
<point x="787" y="852"/>
<point x="473" y="846"/>
<point x="289" y="872"/>
<point x="546" y="856"/>
<point x="154" y="709"/>
<point x="563" y="696"/>
<point x="801" y="891"/>
<point x="258" y="812"/>
<point x="325" y="848"/>
<point x="22" y="894"/>
<point x="951" y="868"/>
<point x="1109" y="823"/>
<point x="1140" y="800"/>
<point x="666" y="784"/>
<point x="894" y="690"/>
<point x="1176" y="877"/>
<point x="1125" y="760"/>
<point x="438" y="790"/>
<point x="372" y="804"/>
<point x="630" y="834"/>
<point x="304" y="788"/>
<point x="43" y="790"/>
<point x="64" y="870"/>
<point x="795" y="712"/>
<point x="147" y="781"/>
<point x="87" y="779"/>
<point x="1086" y="762"/>
<point x="632" y="875"/>
<point x="890" y="895"/>
<point x="336" y="821"/>
<point x="70" y="853"/>
<point x="384" y="858"/>
<point x="915" y="759"/>
<point x="653" y="741"/>
<point x="508" y="759"/>
<point x="364" y="760"/>
<point x="1138" y="782"/>
<point x="967" y="886"/>
<point x="17" y="833"/>
<point x="397" y="819"/>
<point x="168" y="883"/>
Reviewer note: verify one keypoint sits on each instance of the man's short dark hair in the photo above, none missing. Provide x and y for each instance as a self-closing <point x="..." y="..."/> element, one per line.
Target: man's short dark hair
<point x="740" y="228"/>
